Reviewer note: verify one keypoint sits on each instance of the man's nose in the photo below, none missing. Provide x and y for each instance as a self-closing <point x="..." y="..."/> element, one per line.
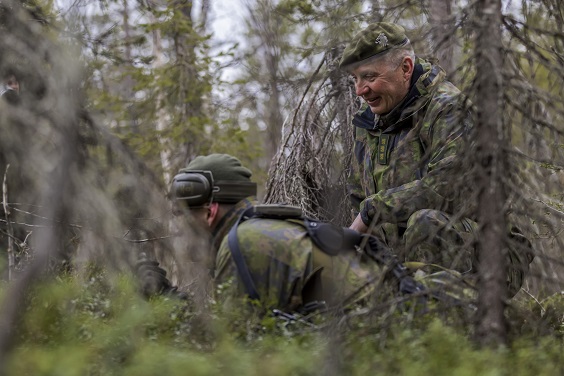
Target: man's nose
<point x="361" y="89"/>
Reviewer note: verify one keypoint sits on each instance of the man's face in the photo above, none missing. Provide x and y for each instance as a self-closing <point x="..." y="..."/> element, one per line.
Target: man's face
<point x="13" y="83"/>
<point x="383" y="85"/>
<point x="201" y="216"/>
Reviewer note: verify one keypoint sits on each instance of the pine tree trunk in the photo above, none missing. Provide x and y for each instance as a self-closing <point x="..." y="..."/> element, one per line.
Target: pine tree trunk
<point x="442" y="36"/>
<point x="491" y="142"/>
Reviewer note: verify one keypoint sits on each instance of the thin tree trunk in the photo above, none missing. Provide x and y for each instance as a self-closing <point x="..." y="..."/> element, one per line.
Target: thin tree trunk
<point x="490" y="141"/>
<point x="9" y="229"/>
<point x="274" y="116"/>
<point x="162" y="116"/>
<point x="268" y="29"/>
<point x="57" y="200"/>
<point x="128" y="81"/>
<point x="441" y="33"/>
<point x="204" y="12"/>
<point x="192" y="101"/>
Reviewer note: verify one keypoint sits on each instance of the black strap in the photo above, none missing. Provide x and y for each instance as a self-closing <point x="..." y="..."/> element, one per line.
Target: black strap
<point x="238" y="258"/>
<point x="329" y="238"/>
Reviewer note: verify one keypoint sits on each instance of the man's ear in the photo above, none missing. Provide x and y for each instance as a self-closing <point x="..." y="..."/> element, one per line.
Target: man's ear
<point x="213" y="211"/>
<point x="407" y="66"/>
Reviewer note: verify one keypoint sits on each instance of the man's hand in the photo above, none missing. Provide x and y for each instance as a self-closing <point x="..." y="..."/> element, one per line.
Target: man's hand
<point x="358" y="225"/>
<point x="152" y="278"/>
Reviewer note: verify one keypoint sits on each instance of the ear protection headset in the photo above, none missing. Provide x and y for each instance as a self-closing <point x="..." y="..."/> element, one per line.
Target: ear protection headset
<point x="195" y="189"/>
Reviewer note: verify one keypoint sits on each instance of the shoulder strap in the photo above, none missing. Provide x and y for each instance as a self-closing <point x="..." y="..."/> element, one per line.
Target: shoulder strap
<point x="238" y="258"/>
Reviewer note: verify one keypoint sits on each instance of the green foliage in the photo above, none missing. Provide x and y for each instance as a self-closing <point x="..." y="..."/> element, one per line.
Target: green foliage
<point x="553" y="312"/>
<point x="101" y="326"/>
<point x="150" y="79"/>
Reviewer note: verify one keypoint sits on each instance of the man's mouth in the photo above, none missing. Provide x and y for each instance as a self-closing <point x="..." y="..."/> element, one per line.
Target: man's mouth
<point x="373" y="101"/>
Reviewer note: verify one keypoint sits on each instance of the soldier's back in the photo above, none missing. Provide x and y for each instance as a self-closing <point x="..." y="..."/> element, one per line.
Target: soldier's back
<point x="289" y="270"/>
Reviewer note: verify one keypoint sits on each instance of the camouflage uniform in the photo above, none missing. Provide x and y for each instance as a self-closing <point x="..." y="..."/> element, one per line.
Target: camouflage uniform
<point x="402" y="178"/>
<point x="287" y="268"/>
<point x="401" y="156"/>
<point x="281" y="261"/>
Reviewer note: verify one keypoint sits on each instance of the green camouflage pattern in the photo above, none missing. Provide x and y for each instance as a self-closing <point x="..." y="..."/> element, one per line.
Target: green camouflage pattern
<point x="449" y="286"/>
<point x="287" y="268"/>
<point x="423" y="139"/>
<point x="376" y="39"/>
<point x="401" y="184"/>
<point x="450" y="244"/>
<point x="290" y="271"/>
<point x="433" y="237"/>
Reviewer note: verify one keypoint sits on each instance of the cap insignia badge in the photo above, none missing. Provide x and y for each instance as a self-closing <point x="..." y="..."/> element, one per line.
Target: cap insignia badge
<point x="382" y="39"/>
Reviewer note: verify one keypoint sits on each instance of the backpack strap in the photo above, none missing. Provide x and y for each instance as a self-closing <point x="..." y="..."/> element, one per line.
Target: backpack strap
<point x="238" y="258"/>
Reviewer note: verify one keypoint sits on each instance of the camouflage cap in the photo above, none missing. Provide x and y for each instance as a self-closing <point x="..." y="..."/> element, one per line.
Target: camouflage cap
<point x="222" y="166"/>
<point x="374" y="40"/>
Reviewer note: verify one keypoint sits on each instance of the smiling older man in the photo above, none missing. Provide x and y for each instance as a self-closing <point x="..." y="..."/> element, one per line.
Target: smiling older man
<point x="409" y="178"/>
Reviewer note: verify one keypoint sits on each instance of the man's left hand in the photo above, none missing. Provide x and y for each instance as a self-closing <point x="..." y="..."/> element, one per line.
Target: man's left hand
<point x="358" y="225"/>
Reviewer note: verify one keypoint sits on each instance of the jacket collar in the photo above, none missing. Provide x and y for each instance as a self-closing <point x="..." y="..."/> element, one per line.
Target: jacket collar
<point x="225" y="224"/>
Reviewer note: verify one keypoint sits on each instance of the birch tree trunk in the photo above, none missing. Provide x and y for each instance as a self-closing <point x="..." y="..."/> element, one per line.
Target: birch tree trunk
<point x="128" y="81"/>
<point x="491" y="142"/>
<point x="162" y="115"/>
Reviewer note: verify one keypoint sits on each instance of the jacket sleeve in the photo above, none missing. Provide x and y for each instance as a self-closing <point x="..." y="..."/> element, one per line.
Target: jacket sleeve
<point x="354" y="186"/>
<point x="444" y="130"/>
<point x="364" y="118"/>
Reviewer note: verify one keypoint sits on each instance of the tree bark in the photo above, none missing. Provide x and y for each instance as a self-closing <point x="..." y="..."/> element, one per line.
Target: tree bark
<point x="490" y="142"/>
<point x="441" y="33"/>
<point x="162" y="120"/>
<point x="204" y="12"/>
<point x="268" y="27"/>
<point x="9" y="230"/>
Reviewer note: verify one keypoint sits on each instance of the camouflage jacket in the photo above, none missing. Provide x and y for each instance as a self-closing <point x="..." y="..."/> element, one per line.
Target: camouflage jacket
<point x="400" y="157"/>
<point x="286" y="266"/>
